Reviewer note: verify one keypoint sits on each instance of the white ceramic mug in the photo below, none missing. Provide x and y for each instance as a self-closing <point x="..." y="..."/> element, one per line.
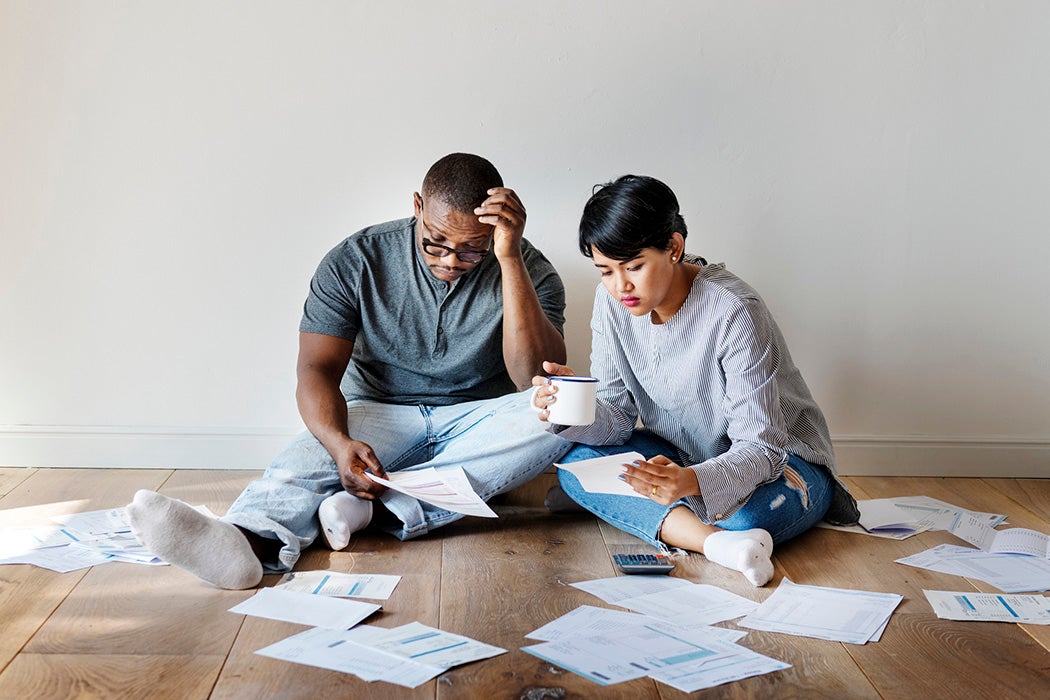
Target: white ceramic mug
<point x="574" y="401"/>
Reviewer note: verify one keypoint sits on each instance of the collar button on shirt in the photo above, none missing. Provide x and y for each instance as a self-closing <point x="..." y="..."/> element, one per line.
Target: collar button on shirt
<point x="440" y="346"/>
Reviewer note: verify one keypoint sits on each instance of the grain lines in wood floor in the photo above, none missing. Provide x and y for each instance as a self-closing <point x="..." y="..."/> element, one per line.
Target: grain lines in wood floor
<point x="126" y="631"/>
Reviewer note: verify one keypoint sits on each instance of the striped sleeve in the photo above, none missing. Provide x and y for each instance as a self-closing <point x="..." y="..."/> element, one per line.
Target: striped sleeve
<point x="749" y="360"/>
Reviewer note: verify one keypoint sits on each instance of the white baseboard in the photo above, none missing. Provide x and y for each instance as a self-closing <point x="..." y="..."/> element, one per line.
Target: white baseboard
<point x="867" y="455"/>
<point x="137" y="447"/>
<point x="253" y="448"/>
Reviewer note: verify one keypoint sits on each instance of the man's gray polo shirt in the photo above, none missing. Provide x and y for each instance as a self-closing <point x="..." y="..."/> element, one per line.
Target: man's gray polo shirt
<point x="416" y="341"/>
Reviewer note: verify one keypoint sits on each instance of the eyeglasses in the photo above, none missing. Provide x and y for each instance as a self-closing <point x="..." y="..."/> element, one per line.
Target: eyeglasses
<point x="440" y="251"/>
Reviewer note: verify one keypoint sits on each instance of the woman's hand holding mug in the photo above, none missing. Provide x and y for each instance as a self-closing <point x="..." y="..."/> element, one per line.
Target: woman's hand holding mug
<point x="562" y="397"/>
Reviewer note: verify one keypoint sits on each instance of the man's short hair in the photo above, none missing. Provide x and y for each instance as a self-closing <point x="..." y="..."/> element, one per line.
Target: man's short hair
<point x="461" y="181"/>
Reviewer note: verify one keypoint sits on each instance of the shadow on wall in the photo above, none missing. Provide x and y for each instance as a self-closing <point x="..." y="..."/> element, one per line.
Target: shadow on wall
<point x="579" y="301"/>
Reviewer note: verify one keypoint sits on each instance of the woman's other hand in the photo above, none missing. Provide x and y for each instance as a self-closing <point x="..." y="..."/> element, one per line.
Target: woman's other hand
<point x="661" y="480"/>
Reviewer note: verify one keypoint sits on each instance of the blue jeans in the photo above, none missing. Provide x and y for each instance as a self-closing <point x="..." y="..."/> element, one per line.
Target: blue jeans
<point x="781" y="509"/>
<point x="500" y="444"/>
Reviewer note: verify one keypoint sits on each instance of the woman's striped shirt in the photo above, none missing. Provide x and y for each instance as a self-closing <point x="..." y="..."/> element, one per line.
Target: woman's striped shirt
<point x="718" y="382"/>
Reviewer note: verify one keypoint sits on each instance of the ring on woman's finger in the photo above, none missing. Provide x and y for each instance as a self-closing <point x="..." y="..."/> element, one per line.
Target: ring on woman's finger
<point x="653" y="494"/>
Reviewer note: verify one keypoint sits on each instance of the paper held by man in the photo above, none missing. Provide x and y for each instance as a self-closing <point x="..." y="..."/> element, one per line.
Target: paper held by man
<point x="448" y="488"/>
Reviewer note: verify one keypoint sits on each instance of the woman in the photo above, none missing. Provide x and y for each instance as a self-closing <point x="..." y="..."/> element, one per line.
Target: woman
<point x="692" y="351"/>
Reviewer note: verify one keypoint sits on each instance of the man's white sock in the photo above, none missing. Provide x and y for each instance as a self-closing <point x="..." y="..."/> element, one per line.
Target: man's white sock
<point x="210" y="549"/>
<point x="341" y="515"/>
<point x="746" y="551"/>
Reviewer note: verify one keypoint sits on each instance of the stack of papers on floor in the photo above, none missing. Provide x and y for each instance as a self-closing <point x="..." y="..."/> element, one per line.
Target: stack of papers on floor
<point x="1013" y="560"/>
<point x="990" y="607"/>
<point x="408" y="656"/>
<point x="837" y="614"/>
<point x="609" y="646"/>
<point x="904" y="516"/>
<point x="1010" y="573"/>
<point x="670" y="598"/>
<point x="887" y="517"/>
<point x="78" y="541"/>
<point x="672" y="642"/>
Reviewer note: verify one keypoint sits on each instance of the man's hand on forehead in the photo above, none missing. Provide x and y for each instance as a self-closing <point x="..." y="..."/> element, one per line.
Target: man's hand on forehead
<point x="503" y="211"/>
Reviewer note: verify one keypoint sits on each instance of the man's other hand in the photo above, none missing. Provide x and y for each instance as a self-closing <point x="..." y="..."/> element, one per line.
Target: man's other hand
<point x="353" y="461"/>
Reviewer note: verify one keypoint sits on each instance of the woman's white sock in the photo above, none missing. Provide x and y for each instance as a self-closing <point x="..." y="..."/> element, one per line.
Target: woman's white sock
<point x="341" y="515"/>
<point x="746" y="551"/>
<point x="210" y="549"/>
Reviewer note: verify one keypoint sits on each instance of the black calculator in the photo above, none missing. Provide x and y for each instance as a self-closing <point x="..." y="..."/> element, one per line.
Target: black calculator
<point x="643" y="563"/>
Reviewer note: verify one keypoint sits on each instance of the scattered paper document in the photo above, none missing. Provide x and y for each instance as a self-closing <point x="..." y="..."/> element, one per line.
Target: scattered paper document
<point x="698" y="633"/>
<point x="670" y="598"/>
<point x="408" y="655"/>
<point x="588" y="620"/>
<point x="80" y="540"/>
<point x="346" y="652"/>
<point x="19" y="540"/>
<point x="837" y="614"/>
<point x="432" y="646"/>
<point x="334" y="583"/>
<point x="584" y="621"/>
<point x="858" y="529"/>
<point x="972" y="530"/>
<point x="990" y="607"/>
<point x="97" y="522"/>
<point x="937" y="559"/>
<point x="698" y="603"/>
<point x="61" y="559"/>
<point x="1010" y="573"/>
<point x="613" y="658"/>
<point x="449" y="489"/>
<point x="618" y="588"/>
<point x="1017" y="540"/>
<point x="121" y="547"/>
<point x="734" y="665"/>
<point x="305" y="609"/>
<point x="902" y="517"/>
<point x="888" y="515"/>
<point x="992" y="519"/>
<point x="602" y="474"/>
<point x="673" y="656"/>
<point x="60" y="549"/>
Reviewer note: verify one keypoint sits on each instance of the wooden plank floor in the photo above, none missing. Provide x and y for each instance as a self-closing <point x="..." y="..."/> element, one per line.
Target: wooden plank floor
<point x="127" y="631"/>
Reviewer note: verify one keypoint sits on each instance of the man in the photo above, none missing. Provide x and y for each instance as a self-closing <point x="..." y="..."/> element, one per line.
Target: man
<point x="416" y="341"/>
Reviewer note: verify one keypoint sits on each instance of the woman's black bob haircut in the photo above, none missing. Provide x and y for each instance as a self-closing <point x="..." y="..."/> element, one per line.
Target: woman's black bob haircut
<point x="624" y="217"/>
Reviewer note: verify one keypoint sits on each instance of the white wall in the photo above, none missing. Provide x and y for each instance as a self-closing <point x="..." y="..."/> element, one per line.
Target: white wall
<point x="171" y="173"/>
